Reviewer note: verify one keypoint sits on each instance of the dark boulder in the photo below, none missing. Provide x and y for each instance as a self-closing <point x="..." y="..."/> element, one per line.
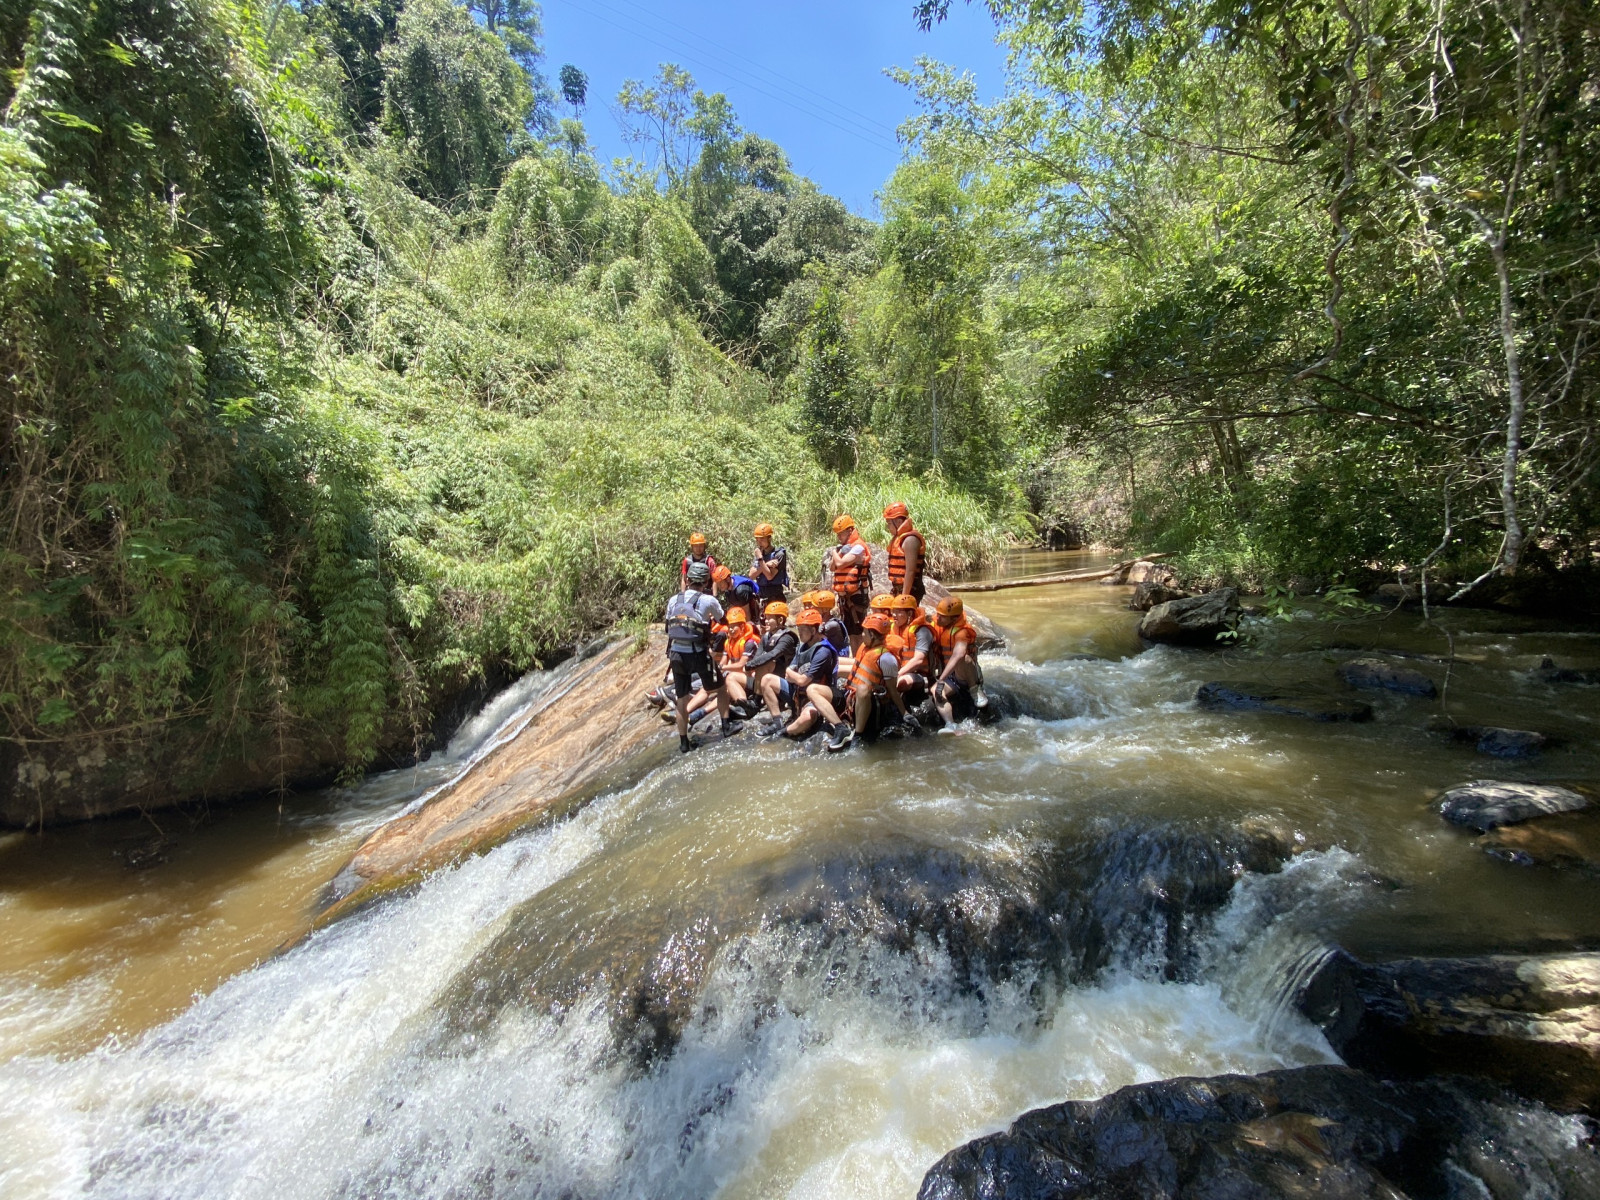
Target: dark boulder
<point x="1193" y="621"/>
<point x="1399" y="593"/>
<point x="1501" y="743"/>
<point x="1548" y="672"/>
<point x="1311" y="703"/>
<point x="1067" y="910"/>
<point x="1486" y="804"/>
<point x="1324" y="1131"/>
<point x="1531" y="1022"/>
<point x="1150" y="593"/>
<point x="1375" y="673"/>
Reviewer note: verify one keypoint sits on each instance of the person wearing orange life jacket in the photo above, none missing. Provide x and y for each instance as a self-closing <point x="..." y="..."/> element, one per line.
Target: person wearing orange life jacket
<point x="697" y="554"/>
<point x="849" y="566"/>
<point x="958" y="659"/>
<point x="918" y="647"/>
<point x="806" y="686"/>
<point x="871" y="685"/>
<point x="742" y="641"/>
<point x="907" y="552"/>
<point x="769" y="568"/>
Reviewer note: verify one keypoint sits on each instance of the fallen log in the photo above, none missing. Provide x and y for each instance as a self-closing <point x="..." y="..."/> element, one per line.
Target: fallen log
<point x="1066" y="577"/>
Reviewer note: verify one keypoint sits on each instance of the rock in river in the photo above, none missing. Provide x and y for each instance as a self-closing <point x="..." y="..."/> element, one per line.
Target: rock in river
<point x="1150" y="593"/>
<point x="1324" y="1131"/>
<point x="1375" y="673"/>
<point x="1486" y="804"/>
<point x="1567" y="841"/>
<point x="1194" y="621"/>
<point x="1306" y="702"/>
<point x="1548" y="672"/>
<point x="1501" y="743"/>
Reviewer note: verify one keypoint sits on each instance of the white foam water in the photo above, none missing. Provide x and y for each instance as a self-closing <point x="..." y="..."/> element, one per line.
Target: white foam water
<point x="322" y="1073"/>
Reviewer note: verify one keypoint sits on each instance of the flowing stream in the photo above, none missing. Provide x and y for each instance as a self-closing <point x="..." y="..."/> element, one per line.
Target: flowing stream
<point x="765" y="971"/>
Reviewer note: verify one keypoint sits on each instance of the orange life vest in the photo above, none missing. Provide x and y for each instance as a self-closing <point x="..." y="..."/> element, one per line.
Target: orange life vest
<point x="740" y="639"/>
<point x="852" y="577"/>
<point x="946" y="636"/>
<point x="909" y="634"/>
<point x="898" y="583"/>
<point x="868" y="669"/>
<point x="895" y="642"/>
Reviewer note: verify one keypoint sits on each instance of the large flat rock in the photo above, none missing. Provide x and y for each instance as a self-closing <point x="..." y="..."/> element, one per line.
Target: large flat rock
<point x="573" y="740"/>
<point x="1486" y="804"/>
<point x="1194" y="620"/>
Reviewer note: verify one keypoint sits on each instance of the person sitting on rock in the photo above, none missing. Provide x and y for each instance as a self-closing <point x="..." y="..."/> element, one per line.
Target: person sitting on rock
<point x="697" y="554"/>
<point x="734" y="591"/>
<point x="690" y="616"/>
<point x="741" y="642"/>
<point x="806" y="688"/>
<point x="871" y="692"/>
<point x="916" y="650"/>
<point x="778" y="645"/>
<point x="834" y="631"/>
<point x="958" y="677"/>
<point x="849" y="566"/>
<point x="906" y="552"/>
<point x="769" y="568"/>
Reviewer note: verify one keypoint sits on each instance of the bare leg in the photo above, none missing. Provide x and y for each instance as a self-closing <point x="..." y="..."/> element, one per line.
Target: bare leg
<point x="821" y="695"/>
<point x="863" y="709"/>
<point x="770" y="684"/>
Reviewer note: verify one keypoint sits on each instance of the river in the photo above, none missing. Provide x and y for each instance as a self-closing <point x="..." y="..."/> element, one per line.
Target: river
<point x="766" y="971"/>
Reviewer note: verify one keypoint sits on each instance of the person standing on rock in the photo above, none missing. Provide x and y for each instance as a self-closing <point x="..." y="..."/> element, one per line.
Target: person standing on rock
<point x="690" y="615"/>
<point x="697" y="554"/>
<point x="769" y="568"/>
<point x="849" y="566"/>
<point x="906" y="552"/>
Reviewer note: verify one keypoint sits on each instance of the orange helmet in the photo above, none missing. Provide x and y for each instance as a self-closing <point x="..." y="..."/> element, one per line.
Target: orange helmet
<point x="824" y="601"/>
<point x="763" y="530"/>
<point x="697" y="539"/>
<point x="840" y="524"/>
<point x="808" y="599"/>
<point x="776" y="609"/>
<point x="721" y="573"/>
<point x="895" y="508"/>
<point x="900" y="602"/>
<point x="809" y="616"/>
<point x="737" y="616"/>
<point x="884" y="601"/>
<point x="951" y="606"/>
<point x="878" y="622"/>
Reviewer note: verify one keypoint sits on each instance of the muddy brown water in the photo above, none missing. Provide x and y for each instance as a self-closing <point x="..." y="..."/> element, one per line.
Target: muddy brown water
<point x="842" y="966"/>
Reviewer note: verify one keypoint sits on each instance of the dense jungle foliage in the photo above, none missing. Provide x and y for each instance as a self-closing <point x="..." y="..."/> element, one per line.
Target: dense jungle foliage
<point x="339" y="372"/>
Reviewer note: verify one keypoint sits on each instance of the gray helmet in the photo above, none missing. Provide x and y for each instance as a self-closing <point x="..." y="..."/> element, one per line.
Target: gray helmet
<point x="699" y="573"/>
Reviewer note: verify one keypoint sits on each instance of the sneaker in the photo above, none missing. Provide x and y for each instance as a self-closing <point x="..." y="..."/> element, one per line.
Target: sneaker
<point x="979" y="699"/>
<point x="729" y="728"/>
<point x="699" y="715"/>
<point x="772" y="729"/>
<point x="840" y="736"/>
<point x="684" y="744"/>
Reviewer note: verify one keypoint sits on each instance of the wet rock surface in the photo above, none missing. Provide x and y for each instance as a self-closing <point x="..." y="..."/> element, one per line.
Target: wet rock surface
<point x="1570" y="841"/>
<point x="1195" y="621"/>
<point x="1306" y="701"/>
<point x="1498" y="742"/>
<point x="1486" y="804"/>
<point x="1549" y="672"/>
<point x="1531" y="1022"/>
<point x="1328" y="1132"/>
<point x="1376" y="673"/>
<point x="1070" y="909"/>
<point x="1151" y="593"/>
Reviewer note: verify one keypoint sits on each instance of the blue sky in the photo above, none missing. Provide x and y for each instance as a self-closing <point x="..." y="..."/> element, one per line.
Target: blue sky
<point x="807" y="74"/>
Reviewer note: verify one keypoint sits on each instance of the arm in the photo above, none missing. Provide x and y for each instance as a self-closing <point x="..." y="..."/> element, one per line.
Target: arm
<point x="957" y="654"/>
<point x="912" y="549"/>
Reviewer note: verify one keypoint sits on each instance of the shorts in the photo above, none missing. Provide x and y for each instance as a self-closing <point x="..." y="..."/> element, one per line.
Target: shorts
<point x="852" y="609"/>
<point x="686" y="666"/>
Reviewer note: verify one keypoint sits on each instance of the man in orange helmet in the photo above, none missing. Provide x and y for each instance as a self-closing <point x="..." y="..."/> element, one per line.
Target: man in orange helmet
<point x="915" y="646"/>
<point x="849" y="565"/>
<point x="906" y="552"/>
<point x="957" y="644"/>
<point x="697" y="554"/>
<point x="806" y="687"/>
<point x="769" y="568"/>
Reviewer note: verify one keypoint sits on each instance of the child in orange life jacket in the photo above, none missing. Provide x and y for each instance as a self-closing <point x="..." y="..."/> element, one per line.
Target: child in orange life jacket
<point x="957" y="658"/>
<point x="742" y="641"/>
<point x="871" y="686"/>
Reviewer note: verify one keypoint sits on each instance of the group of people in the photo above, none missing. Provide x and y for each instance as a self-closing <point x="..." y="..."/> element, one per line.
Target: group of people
<point x="847" y="662"/>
